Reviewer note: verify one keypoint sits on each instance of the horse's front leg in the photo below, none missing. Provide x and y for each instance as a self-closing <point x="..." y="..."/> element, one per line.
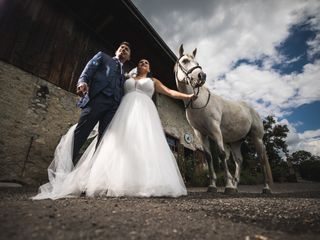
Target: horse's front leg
<point x="229" y="188"/>
<point x="216" y="136"/>
<point x="206" y="148"/>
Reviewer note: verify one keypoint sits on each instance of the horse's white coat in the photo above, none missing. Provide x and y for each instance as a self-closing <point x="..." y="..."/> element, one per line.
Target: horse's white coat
<point x="226" y="122"/>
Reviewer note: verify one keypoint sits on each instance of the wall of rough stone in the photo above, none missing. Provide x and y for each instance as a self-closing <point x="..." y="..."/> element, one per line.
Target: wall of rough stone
<point x="190" y="158"/>
<point x="34" y="115"/>
<point x="173" y="118"/>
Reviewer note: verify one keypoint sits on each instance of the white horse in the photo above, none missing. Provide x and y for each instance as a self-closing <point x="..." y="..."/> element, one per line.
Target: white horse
<point x="226" y="122"/>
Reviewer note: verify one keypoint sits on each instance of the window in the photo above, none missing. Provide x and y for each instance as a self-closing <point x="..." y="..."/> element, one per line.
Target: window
<point x="173" y="143"/>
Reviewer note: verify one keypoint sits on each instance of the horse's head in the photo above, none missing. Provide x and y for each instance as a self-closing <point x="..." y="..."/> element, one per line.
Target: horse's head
<point x="188" y="71"/>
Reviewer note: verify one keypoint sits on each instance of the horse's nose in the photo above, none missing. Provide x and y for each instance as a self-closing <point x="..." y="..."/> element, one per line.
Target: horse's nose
<point x="202" y="76"/>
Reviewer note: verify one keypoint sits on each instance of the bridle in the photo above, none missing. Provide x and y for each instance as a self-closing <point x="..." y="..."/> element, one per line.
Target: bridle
<point x="187" y="80"/>
<point x="186" y="72"/>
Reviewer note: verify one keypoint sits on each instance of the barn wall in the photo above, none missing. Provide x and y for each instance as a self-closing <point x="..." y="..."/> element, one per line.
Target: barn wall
<point x="44" y="48"/>
<point x="34" y="115"/>
<point x="190" y="157"/>
<point x="172" y="115"/>
<point x="42" y="38"/>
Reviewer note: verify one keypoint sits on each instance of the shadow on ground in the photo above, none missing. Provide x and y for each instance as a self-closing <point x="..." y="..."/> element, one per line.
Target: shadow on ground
<point x="291" y="212"/>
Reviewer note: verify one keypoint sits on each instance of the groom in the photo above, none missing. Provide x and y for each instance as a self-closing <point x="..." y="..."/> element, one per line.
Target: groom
<point x="101" y="87"/>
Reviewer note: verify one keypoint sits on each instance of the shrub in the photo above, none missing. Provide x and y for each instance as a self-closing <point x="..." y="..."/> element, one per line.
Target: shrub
<point x="220" y="182"/>
<point x="280" y="172"/>
<point x="310" y="170"/>
<point x="200" y="178"/>
<point x="249" y="178"/>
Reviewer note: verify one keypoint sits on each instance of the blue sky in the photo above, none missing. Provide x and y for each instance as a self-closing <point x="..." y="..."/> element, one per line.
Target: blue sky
<point x="266" y="53"/>
<point x="306" y="116"/>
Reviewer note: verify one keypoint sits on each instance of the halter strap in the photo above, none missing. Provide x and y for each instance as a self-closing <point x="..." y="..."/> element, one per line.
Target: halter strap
<point x="187" y="78"/>
<point x="186" y="81"/>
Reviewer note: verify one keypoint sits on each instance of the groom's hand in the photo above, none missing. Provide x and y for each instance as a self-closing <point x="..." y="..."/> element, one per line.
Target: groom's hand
<point x="82" y="89"/>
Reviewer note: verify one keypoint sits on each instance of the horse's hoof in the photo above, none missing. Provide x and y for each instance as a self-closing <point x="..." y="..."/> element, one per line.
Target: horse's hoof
<point x="212" y="189"/>
<point x="266" y="191"/>
<point x="229" y="190"/>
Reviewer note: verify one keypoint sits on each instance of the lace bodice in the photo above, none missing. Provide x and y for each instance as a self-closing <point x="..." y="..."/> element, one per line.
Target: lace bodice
<point x="144" y="85"/>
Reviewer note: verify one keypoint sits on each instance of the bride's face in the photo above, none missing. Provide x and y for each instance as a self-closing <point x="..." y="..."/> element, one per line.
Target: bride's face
<point x="143" y="66"/>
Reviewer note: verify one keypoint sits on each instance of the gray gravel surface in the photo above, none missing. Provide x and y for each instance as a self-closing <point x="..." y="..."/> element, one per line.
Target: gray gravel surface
<point x="291" y="212"/>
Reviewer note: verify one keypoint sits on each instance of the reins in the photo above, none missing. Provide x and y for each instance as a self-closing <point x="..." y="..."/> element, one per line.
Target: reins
<point x="190" y="103"/>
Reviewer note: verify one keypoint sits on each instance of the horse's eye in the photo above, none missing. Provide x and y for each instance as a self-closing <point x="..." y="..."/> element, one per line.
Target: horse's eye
<point x="185" y="61"/>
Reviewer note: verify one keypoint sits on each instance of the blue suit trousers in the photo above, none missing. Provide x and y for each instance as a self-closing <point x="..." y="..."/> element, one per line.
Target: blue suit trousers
<point x="99" y="109"/>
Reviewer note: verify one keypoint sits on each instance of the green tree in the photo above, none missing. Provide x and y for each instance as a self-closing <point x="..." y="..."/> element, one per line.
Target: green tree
<point x="300" y="156"/>
<point x="310" y="169"/>
<point x="277" y="149"/>
<point x="275" y="140"/>
<point x="307" y="164"/>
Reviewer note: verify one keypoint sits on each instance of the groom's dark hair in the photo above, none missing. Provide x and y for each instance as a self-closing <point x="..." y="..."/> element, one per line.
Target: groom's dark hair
<point x="125" y="43"/>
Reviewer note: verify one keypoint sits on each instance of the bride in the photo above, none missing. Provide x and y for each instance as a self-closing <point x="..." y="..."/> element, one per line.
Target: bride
<point x="133" y="157"/>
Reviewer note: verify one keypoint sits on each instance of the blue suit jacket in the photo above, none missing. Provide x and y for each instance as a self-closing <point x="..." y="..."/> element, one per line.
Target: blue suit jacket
<point x="101" y="74"/>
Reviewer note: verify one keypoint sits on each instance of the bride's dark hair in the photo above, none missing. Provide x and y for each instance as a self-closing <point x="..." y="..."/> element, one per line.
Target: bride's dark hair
<point x="149" y="74"/>
<point x="133" y="73"/>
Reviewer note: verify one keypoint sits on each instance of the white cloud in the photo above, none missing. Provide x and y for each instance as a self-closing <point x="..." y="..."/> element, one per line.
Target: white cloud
<point x="249" y="83"/>
<point x="308" y="140"/>
<point x="293" y="60"/>
<point x="314" y="44"/>
<point x="227" y="31"/>
<point x="277" y="93"/>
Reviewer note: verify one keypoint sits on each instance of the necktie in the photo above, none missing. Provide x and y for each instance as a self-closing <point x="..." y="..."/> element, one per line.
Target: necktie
<point x="118" y="65"/>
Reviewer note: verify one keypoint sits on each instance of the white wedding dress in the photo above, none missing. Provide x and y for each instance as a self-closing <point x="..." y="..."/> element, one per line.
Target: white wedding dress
<point x="132" y="159"/>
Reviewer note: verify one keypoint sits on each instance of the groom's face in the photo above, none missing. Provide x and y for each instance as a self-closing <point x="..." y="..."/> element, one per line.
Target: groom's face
<point x="123" y="53"/>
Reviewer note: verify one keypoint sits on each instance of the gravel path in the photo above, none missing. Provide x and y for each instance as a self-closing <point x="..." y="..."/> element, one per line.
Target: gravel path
<point x="291" y="212"/>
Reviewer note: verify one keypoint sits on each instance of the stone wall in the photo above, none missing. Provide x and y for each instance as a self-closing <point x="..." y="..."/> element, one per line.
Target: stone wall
<point x="34" y="115"/>
<point x="173" y="118"/>
<point x="190" y="158"/>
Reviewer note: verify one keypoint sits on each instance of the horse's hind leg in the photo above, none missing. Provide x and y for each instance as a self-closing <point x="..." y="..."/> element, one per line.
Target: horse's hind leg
<point x="262" y="154"/>
<point x="237" y="157"/>
<point x="229" y="188"/>
<point x="206" y="148"/>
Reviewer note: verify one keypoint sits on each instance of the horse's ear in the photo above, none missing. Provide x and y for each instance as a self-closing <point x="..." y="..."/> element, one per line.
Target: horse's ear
<point x="181" y="50"/>
<point x="194" y="52"/>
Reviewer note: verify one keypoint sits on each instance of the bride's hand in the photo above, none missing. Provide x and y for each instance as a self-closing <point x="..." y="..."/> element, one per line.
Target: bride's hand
<point x="192" y="97"/>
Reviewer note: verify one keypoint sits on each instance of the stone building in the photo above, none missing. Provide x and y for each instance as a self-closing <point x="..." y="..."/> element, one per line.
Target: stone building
<point x="45" y="45"/>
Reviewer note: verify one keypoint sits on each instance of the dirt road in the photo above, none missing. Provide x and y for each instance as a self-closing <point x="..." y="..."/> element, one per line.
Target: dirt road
<point x="291" y="212"/>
